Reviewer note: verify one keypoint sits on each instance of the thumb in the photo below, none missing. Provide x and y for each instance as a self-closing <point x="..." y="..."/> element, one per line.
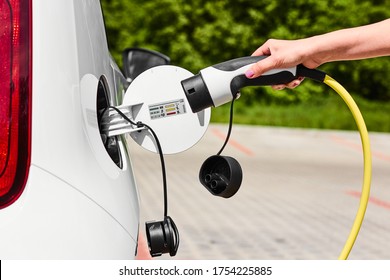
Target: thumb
<point x="260" y="67"/>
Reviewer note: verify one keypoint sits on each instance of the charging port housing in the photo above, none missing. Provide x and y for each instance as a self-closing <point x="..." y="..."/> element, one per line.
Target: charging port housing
<point x="110" y="143"/>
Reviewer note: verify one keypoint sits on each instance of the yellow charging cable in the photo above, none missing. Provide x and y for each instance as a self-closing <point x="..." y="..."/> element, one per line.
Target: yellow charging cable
<point x="367" y="164"/>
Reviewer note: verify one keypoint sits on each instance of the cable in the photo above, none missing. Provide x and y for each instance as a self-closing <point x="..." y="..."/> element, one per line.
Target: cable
<point x="229" y="129"/>
<point x="367" y="164"/>
<point x="322" y="77"/>
<point x="163" y="236"/>
<point x="160" y="152"/>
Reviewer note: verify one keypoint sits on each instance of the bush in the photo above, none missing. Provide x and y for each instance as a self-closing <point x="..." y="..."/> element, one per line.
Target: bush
<point x="196" y="34"/>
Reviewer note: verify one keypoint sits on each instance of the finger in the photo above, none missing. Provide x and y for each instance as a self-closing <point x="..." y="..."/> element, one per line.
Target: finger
<point x="295" y="83"/>
<point x="278" y="87"/>
<point x="292" y="84"/>
<point x="260" y="67"/>
<point x="262" y="50"/>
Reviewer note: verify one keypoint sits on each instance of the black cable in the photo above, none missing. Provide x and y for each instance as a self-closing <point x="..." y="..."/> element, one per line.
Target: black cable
<point x="164" y="175"/>
<point x="160" y="152"/>
<point x="159" y="148"/>
<point x="230" y="128"/>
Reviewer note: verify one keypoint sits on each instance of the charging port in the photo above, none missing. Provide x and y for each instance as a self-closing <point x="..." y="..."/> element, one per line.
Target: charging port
<point x="110" y="143"/>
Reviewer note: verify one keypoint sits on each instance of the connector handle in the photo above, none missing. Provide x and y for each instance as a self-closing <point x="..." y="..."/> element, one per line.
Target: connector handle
<point x="272" y="77"/>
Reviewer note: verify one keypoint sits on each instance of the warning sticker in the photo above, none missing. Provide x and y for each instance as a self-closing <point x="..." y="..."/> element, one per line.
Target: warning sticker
<point x="167" y="109"/>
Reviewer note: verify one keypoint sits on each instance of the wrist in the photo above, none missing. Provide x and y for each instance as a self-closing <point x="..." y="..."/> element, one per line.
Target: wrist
<point x="328" y="47"/>
<point x="316" y="51"/>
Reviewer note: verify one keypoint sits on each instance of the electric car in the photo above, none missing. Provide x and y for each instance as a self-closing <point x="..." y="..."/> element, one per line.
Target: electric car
<point x="66" y="190"/>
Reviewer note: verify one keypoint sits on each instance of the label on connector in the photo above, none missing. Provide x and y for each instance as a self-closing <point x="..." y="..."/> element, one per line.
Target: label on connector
<point x="167" y="109"/>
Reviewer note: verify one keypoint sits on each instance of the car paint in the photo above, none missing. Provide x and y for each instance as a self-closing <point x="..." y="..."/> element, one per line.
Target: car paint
<point x="77" y="203"/>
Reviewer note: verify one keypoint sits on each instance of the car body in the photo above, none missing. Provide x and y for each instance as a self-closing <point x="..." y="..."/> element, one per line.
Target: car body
<point x="72" y="195"/>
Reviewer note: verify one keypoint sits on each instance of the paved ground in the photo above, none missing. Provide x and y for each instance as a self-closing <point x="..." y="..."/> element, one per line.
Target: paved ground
<point x="298" y="198"/>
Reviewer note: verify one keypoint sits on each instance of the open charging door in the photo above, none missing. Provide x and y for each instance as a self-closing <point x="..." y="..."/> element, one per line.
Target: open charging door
<point x="156" y="98"/>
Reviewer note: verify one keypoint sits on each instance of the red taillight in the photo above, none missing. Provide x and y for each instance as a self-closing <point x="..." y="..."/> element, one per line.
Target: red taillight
<point x="15" y="98"/>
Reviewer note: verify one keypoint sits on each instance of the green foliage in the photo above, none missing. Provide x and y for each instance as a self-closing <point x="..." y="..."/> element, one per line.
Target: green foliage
<point x="199" y="33"/>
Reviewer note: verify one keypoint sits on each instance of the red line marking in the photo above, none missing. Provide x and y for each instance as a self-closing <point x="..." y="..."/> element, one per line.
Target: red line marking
<point x="233" y="143"/>
<point x="373" y="200"/>
<point x="358" y="147"/>
<point x="347" y="143"/>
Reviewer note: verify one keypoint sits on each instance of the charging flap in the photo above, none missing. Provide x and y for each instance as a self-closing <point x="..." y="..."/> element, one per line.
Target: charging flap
<point x="157" y="99"/>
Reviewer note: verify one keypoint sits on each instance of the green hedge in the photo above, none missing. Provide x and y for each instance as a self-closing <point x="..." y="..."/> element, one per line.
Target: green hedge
<point x="196" y="34"/>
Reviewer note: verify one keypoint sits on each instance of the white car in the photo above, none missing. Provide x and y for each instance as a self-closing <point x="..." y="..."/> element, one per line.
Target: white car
<point x="66" y="192"/>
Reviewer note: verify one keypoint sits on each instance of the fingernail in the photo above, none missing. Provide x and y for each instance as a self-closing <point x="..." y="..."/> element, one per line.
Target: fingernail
<point x="249" y="74"/>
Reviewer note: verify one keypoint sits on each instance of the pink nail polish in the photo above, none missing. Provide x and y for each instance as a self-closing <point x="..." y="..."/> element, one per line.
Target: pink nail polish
<point x="249" y="74"/>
